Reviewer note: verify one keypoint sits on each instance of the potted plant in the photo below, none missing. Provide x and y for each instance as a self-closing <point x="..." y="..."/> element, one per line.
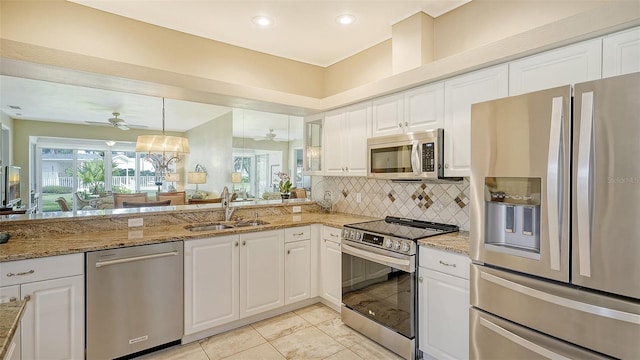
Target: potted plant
<point x="285" y="185"/>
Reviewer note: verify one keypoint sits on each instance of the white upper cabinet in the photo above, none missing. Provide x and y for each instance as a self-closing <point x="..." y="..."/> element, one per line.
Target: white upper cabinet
<point x="345" y="140"/>
<point x="459" y="93"/>
<point x="414" y="110"/>
<point x="567" y="65"/>
<point x="621" y="53"/>
<point x="388" y="115"/>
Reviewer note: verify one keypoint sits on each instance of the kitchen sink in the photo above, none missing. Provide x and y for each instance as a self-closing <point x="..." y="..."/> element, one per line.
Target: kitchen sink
<point x="250" y="223"/>
<point x="229" y="225"/>
<point x="209" y="227"/>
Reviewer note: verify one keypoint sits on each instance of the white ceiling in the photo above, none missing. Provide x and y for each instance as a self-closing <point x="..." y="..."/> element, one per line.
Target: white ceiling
<point x="303" y="30"/>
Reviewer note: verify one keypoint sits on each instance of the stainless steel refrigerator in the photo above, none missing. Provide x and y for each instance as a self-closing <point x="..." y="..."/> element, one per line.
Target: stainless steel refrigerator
<point x="555" y="223"/>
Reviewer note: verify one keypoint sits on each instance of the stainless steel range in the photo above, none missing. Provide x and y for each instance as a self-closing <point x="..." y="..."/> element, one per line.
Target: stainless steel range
<point x="379" y="283"/>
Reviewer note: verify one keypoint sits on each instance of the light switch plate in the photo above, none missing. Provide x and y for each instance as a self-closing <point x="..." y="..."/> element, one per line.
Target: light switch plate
<point x="135" y="222"/>
<point x="359" y="197"/>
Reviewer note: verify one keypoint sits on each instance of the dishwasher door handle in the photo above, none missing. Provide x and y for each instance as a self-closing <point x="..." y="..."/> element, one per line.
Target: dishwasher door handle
<point x="135" y="258"/>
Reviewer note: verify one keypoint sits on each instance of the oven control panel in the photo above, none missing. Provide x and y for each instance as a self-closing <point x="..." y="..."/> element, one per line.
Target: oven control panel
<point x="389" y="243"/>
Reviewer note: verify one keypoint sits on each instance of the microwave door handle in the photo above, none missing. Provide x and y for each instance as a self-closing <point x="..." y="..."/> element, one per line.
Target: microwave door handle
<point x="555" y="173"/>
<point x="583" y="186"/>
<point x="415" y="158"/>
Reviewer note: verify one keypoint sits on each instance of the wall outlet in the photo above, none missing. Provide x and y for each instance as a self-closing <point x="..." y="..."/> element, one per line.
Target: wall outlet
<point x="135" y="222"/>
<point x="296" y="209"/>
<point x="359" y="198"/>
<point x="135" y="234"/>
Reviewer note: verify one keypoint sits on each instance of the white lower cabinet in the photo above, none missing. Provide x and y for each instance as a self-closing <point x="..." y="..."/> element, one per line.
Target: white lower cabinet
<point x="443" y="298"/>
<point x="331" y="266"/>
<point x="52" y="325"/>
<point x="53" y="321"/>
<point x="231" y="277"/>
<point x="297" y="276"/>
<point x="211" y="282"/>
<point x="7" y="294"/>
<point x="261" y="272"/>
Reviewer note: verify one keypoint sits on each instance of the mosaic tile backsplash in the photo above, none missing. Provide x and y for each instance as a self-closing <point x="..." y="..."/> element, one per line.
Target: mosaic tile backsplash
<point x="439" y="202"/>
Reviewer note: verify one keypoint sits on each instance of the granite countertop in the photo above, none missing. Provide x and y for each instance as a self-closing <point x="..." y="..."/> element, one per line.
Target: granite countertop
<point x="61" y="244"/>
<point x="457" y="242"/>
<point x="10" y="315"/>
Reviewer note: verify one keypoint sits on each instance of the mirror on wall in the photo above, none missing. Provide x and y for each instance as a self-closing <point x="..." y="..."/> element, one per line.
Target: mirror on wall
<point x="228" y="142"/>
<point x="267" y="149"/>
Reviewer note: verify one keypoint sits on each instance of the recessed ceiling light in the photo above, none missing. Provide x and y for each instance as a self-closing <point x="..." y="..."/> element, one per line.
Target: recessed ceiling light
<point x="263" y="21"/>
<point x="346" y="19"/>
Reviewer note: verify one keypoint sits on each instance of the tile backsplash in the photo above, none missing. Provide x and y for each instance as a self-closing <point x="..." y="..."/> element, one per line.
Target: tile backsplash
<point x="430" y="201"/>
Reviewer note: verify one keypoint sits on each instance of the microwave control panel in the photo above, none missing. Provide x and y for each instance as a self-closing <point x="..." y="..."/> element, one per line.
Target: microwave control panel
<point x="428" y="157"/>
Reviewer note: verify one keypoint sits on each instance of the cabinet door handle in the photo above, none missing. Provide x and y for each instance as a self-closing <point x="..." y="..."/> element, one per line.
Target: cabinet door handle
<point x="27" y="297"/>
<point x="21" y="273"/>
<point x="420" y="279"/>
<point x="406" y="123"/>
<point x="298" y="234"/>
<point x="236" y="244"/>
<point x="334" y="235"/>
<point x="446" y="264"/>
<point x="399" y="124"/>
<point x="13" y="299"/>
<point x="288" y="252"/>
<point x="244" y="243"/>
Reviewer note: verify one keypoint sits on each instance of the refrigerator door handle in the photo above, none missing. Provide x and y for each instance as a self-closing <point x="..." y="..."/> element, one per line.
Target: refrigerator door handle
<point x="555" y="181"/>
<point x="562" y="301"/>
<point x="583" y="187"/>
<point x="548" y="354"/>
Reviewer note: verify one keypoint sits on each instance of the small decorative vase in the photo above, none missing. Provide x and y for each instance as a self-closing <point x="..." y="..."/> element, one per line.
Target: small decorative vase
<point x="284" y="195"/>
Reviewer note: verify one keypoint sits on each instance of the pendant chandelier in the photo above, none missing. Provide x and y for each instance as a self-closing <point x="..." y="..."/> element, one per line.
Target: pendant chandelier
<point x="162" y="149"/>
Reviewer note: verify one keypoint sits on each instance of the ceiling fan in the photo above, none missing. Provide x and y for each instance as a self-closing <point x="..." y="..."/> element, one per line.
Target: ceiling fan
<point x="271" y="136"/>
<point x="117" y="122"/>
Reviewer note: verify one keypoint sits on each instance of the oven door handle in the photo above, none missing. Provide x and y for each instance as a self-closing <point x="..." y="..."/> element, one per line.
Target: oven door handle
<point x="402" y="264"/>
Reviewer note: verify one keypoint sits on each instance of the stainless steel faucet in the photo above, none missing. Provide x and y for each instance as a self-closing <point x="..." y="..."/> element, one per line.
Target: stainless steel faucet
<point x="226" y="200"/>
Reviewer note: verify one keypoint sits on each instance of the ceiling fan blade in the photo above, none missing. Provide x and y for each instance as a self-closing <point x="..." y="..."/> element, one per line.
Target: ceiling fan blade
<point x="122" y="126"/>
<point x="97" y="123"/>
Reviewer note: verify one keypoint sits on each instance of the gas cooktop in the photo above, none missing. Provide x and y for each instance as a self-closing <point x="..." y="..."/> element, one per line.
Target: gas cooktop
<point x="408" y="229"/>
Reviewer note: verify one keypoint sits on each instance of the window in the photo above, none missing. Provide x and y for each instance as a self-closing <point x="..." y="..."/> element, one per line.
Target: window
<point x="82" y="170"/>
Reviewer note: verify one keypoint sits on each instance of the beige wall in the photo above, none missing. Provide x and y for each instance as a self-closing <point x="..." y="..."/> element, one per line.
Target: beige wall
<point x="365" y="67"/>
<point x="481" y="22"/>
<point x="210" y="145"/>
<point x="76" y="29"/>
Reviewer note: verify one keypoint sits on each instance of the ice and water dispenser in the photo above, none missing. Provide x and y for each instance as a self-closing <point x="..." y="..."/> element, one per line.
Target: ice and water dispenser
<point x="512" y="215"/>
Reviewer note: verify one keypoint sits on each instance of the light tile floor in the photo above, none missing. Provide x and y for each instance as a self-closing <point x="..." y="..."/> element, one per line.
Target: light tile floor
<point x="313" y="332"/>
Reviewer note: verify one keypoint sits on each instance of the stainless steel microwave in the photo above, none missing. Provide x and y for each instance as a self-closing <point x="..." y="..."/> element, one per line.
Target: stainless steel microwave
<point x="412" y="156"/>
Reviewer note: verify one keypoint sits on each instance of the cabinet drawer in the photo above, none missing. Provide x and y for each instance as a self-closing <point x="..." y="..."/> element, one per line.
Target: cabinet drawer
<point x="297" y="233"/>
<point x="444" y="261"/>
<point x="331" y="234"/>
<point x="52" y="267"/>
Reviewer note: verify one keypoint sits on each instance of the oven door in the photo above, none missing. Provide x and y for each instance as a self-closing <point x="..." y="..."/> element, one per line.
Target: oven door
<point x="379" y="286"/>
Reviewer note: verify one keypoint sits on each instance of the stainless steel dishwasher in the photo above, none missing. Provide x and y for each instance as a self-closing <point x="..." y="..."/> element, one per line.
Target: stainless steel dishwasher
<point x="134" y="299"/>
